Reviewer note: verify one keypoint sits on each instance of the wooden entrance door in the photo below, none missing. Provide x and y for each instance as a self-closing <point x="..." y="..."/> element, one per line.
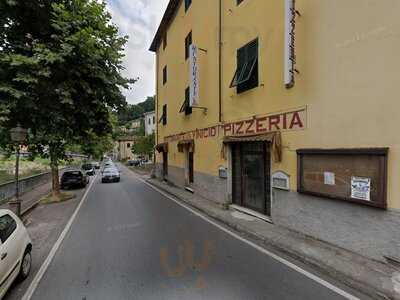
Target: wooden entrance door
<point x="165" y="165"/>
<point x="251" y="176"/>
<point x="191" y="170"/>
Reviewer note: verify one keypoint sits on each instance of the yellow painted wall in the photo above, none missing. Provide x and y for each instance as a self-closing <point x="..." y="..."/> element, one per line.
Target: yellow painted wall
<point x="202" y="20"/>
<point x="348" y="58"/>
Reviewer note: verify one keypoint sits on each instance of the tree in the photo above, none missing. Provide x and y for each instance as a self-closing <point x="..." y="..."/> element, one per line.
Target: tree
<point x="144" y="145"/>
<point x="61" y="62"/>
<point x="134" y="111"/>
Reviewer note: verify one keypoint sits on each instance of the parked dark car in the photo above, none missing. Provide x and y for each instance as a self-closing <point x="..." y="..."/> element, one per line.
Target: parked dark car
<point x="133" y="162"/>
<point x="110" y="175"/>
<point x="89" y="169"/>
<point x="74" y="178"/>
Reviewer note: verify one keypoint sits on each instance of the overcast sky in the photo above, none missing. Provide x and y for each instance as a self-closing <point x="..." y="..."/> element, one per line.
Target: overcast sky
<point x="139" y="19"/>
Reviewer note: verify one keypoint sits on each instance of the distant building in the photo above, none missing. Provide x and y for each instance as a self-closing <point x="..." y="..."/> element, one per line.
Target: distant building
<point x="136" y="124"/>
<point x="123" y="149"/>
<point x="149" y="122"/>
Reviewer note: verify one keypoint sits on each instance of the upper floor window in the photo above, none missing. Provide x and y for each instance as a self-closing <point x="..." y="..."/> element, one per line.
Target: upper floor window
<point x="128" y="145"/>
<point x="165" y="75"/>
<point x="239" y="1"/>
<point x="186" y="108"/>
<point x="187" y="4"/>
<point x="188" y="42"/>
<point x="164" y="41"/>
<point x="154" y="120"/>
<point x="246" y="75"/>
<point x="163" y="118"/>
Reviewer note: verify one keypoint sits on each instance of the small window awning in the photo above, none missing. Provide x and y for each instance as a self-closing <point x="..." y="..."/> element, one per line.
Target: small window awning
<point x="189" y="144"/>
<point x="274" y="138"/>
<point x="163" y="147"/>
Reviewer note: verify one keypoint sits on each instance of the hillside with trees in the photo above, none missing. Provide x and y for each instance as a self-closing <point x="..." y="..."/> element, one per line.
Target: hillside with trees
<point x="132" y="112"/>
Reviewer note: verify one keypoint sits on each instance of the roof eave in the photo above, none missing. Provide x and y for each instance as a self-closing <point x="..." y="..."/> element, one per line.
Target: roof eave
<point x="168" y="15"/>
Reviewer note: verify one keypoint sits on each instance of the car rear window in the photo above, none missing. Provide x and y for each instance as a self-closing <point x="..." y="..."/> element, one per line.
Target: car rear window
<point x="7" y="227"/>
<point x="72" y="174"/>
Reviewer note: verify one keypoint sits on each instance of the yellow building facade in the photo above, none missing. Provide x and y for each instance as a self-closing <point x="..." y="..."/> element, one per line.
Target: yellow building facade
<point x="319" y="154"/>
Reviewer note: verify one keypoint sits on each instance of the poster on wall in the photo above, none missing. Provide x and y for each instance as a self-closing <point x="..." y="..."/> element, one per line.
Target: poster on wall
<point x="361" y="188"/>
<point x="329" y="178"/>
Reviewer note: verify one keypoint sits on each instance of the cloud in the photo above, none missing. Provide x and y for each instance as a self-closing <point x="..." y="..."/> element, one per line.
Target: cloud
<point x="139" y="20"/>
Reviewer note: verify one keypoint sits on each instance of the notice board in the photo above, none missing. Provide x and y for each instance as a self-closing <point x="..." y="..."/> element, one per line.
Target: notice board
<point x="355" y="175"/>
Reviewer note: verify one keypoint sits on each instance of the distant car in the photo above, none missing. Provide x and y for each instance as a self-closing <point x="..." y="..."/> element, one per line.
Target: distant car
<point x="133" y="162"/>
<point x="89" y="169"/>
<point x="15" y="250"/>
<point x="108" y="164"/>
<point x="96" y="165"/>
<point x="74" y="178"/>
<point x="110" y="175"/>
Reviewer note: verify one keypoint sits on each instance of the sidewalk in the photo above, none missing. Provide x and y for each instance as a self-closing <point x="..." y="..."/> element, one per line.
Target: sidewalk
<point x="31" y="198"/>
<point x="378" y="280"/>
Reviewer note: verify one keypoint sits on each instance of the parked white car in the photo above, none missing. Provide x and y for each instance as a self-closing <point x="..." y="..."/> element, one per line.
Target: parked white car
<point x="15" y="250"/>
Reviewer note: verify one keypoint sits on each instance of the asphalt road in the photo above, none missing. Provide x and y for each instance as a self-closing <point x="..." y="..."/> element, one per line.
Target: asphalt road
<point x="130" y="242"/>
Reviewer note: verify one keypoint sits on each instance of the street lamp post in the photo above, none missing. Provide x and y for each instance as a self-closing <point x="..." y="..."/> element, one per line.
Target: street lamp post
<point x="18" y="135"/>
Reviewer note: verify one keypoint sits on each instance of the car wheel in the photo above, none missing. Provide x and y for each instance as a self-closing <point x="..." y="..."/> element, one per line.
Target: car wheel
<point x="25" y="265"/>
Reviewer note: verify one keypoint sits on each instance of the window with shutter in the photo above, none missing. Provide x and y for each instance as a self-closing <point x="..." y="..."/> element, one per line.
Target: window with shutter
<point x="246" y="75"/>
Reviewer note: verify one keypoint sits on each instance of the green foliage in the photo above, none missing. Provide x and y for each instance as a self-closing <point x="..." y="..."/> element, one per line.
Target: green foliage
<point x="135" y="111"/>
<point x="61" y="63"/>
<point x="144" y="145"/>
<point x="60" y="70"/>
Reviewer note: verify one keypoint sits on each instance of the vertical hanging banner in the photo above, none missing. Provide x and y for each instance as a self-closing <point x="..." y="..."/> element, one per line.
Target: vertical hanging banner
<point x="290" y="37"/>
<point x="194" y="75"/>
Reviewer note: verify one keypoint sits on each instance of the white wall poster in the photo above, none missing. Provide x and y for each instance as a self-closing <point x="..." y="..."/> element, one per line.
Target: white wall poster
<point x="361" y="188"/>
<point x="329" y="178"/>
<point x="194" y="75"/>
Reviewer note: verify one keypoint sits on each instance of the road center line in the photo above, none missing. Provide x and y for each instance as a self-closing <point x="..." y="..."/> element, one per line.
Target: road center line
<point x="317" y="279"/>
<point x="35" y="282"/>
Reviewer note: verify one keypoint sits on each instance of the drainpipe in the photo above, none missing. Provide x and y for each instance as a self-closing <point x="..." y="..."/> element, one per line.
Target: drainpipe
<point x="220" y="61"/>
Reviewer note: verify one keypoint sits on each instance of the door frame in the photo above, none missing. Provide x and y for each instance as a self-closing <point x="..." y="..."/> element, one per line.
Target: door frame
<point x="188" y="182"/>
<point x="164" y="165"/>
<point x="267" y="173"/>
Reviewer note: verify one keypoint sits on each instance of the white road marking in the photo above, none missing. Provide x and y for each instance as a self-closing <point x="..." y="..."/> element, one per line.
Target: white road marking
<point x="35" y="282"/>
<point x="317" y="279"/>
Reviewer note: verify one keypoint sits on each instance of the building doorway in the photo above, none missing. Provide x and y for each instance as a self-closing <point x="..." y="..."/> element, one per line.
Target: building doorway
<point x="251" y="168"/>
<point x="191" y="170"/>
<point x="165" y="165"/>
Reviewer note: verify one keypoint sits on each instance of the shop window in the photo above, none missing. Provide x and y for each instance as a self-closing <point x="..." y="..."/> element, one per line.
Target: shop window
<point x="355" y="175"/>
<point x="186" y="108"/>
<point x="188" y="42"/>
<point x="163" y="118"/>
<point x="246" y="75"/>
